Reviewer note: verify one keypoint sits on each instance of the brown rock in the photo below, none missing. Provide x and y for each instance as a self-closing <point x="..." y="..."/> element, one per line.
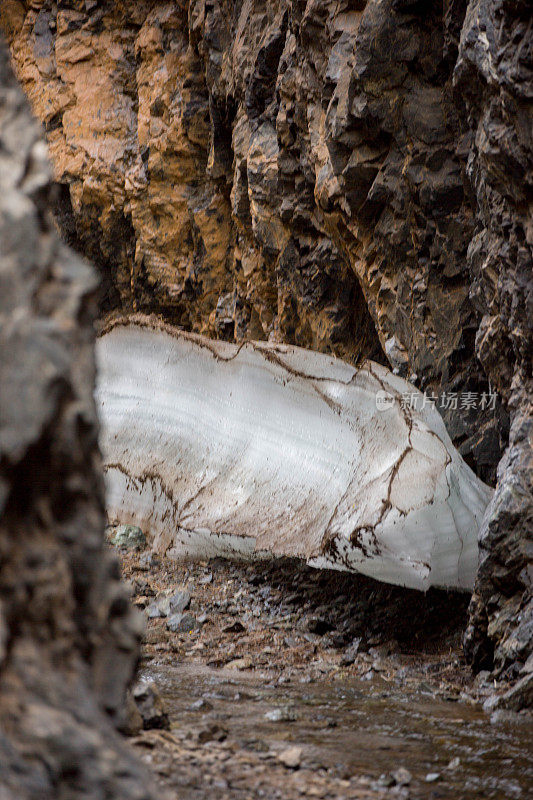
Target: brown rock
<point x="291" y="757"/>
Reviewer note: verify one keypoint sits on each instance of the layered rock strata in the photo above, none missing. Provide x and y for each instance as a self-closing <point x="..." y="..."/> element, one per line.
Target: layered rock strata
<point x="68" y="635"/>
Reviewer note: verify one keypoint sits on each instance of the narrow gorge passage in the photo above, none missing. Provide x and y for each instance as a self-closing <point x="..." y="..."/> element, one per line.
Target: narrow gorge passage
<point x="266" y="400"/>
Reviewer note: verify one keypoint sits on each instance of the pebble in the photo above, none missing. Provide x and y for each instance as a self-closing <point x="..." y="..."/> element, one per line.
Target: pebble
<point x="385" y="780"/>
<point x="432" y="777"/>
<point x="402" y="776"/>
<point x="143" y="589"/>
<point x="182" y="623"/>
<point x="149" y="561"/>
<point x="291" y="757"/>
<point x="201" y="705"/>
<point x="284" y="714"/>
<point x="129" y="536"/>
<point x="214" y="732"/>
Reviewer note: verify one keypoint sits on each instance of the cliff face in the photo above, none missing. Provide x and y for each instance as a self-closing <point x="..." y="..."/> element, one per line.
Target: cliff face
<point x="68" y="636"/>
<point x="283" y="170"/>
<point x="494" y="87"/>
<point x="349" y="176"/>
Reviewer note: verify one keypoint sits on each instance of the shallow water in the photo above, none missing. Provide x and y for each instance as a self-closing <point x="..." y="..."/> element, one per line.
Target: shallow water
<point x="357" y="727"/>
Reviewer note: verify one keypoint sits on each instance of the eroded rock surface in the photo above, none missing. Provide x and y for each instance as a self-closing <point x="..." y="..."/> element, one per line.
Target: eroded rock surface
<point x="352" y="177"/>
<point x="285" y="170"/>
<point x="68" y="636"/>
<point x="493" y="80"/>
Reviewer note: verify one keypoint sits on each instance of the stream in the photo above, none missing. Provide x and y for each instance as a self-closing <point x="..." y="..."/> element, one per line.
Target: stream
<point x="351" y="726"/>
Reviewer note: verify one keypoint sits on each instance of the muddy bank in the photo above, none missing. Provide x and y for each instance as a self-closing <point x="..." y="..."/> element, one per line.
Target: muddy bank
<point x="346" y="679"/>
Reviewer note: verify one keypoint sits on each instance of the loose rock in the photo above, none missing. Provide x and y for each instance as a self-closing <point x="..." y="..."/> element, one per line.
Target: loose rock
<point x="402" y="776"/>
<point x="151" y="706"/>
<point x="182" y="623"/>
<point x="129" y="536"/>
<point x="291" y="757"/>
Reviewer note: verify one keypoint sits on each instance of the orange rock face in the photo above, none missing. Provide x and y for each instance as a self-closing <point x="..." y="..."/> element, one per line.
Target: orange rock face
<point x="279" y="171"/>
<point x="165" y="186"/>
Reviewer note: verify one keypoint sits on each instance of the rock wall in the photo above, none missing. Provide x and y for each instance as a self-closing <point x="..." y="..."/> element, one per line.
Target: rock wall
<point x="68" y="636"/>
<point x="494" y="90"/>
<point x="142" y="127"/>
<point x="292" y="171"/>
<point x="352" y="176"/>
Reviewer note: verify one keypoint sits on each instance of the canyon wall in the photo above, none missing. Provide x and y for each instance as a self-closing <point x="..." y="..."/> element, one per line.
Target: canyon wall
<point x="350" y="176"/>
<point x="494" y="89"/>
<point x="68" y="636"/>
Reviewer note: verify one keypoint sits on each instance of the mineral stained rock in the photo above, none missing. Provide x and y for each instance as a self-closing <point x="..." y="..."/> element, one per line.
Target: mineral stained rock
<point x="286" y="170"/>
<point x="262" y="448"/>
<point x="348" y="176"/>
<point x="68" y="636"/>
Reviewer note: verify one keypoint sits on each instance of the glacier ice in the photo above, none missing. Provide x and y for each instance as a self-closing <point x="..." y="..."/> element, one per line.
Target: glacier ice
<point x="222" y="449"/>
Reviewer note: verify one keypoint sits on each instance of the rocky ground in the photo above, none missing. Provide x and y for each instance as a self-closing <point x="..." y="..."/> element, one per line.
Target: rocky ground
<point x="294" y="621"/>
<point x="241" y="651"/>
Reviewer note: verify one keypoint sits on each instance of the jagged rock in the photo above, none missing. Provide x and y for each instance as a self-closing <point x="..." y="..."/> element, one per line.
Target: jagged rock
<point x="69" y="638"/>
<point x="493" y="90"/>
<point x="142" y="129"/>
<point x="168" y="605"/>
